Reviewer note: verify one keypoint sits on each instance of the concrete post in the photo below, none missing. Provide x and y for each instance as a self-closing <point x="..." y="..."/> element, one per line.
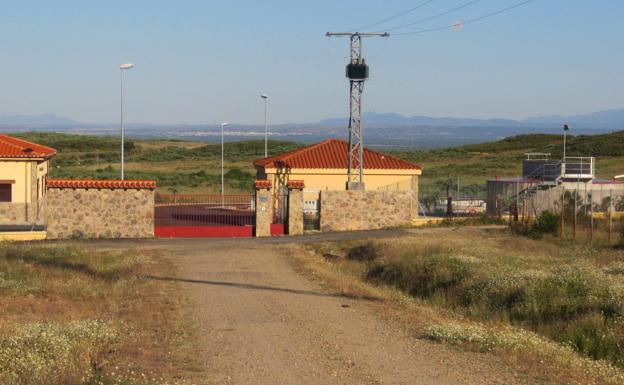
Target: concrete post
<point x="295" y="207"/>
<point x="263" y="208"/>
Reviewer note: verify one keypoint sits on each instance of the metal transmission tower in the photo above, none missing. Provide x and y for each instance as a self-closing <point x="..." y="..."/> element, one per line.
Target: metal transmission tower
<point x="357" y="72"/>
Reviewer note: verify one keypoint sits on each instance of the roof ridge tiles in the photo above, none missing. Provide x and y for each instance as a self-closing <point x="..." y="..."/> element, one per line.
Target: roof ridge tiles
<point x="101" y="184"/>
<point x="332" y="154"/>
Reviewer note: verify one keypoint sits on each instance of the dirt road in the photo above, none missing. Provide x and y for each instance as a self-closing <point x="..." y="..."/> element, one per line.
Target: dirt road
<point x="262" y="323"/>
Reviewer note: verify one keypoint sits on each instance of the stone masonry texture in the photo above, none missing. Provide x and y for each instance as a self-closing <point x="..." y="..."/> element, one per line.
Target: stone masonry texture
<point x="264" y="213"/>
<point x="94" y="213"/>
<point x="295" y="212"/>
<point x="13" y="214"/>
<point x="366" y="210"/>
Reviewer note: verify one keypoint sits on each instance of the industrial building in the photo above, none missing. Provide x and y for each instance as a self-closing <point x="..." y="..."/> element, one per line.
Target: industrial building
<point x="544" y="180"/>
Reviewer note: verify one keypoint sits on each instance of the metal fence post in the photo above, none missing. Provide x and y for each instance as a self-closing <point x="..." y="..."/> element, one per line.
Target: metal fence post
<point x="562" y="210"/>
<point x="610" y="214"/>
<point x="575" y="212"/>
<point x="591" y="218"/>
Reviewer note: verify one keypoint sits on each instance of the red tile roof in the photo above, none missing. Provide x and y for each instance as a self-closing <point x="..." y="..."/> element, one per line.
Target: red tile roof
<point x="296" y="184"/>
<point x="333" y="154"/>
<point x="11" y="147"/>
<point x="101" y="184"/>
<point x="263" y="184"/>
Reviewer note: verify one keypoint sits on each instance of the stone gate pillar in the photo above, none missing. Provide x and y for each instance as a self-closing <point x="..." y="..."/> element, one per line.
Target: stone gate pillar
<point x="295" y="207"/>
<point x="264" y="205"/>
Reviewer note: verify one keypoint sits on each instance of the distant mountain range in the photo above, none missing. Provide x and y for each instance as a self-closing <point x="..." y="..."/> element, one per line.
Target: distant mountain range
<point x="380" y="129"/>
<point x="601" y="120"/>
<point x="36" y="121"/>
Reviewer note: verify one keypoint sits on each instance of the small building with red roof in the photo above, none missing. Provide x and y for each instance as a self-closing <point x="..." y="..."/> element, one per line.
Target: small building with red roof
<point x="23" y="171"/>
<point x="323" y="166"/>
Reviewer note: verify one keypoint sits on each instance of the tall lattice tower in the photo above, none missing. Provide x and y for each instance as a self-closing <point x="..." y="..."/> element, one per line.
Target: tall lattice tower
<point x="357" y="72"/>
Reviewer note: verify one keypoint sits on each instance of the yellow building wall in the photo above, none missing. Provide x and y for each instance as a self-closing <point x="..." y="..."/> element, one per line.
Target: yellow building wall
<point x="42" y="172"/>
<point x="334" y="180"/>
<point x="25" y="173"/>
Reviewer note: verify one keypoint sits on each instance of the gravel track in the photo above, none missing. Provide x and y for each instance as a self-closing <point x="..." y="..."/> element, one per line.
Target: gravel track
<point x="263" y="323"/>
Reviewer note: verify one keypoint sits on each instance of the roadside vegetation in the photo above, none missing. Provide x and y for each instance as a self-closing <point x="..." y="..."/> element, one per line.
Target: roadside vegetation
<point x="176" y="165"/>
<point x="475" y="163"/>
<point x="540" y="299"/>
<point x="195" y="166"/>
<point x="75" y="317"/>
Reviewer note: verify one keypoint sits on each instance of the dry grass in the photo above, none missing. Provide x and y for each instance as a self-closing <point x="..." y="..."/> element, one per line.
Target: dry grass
<point x="433" y="313"/>
<point x="72" y="316"/>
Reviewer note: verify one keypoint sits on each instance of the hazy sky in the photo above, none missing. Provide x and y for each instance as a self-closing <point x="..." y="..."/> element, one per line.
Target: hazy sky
<point x="208" y="61"/>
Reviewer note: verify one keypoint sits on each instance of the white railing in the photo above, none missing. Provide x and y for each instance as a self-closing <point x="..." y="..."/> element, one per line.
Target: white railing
<point x="578" y="168"/>
<point x="537" y="155"/>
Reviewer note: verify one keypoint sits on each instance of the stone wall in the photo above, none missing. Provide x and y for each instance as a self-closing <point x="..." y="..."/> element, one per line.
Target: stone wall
<point x="295" y="212"/>
<point x="100" y="213"/>
<point x="26" y="209"/>
<point x="13" y="214"/>
<point x="264" y="212"/>
<point x="21" y="214"/>
<point x="366" y="210"/>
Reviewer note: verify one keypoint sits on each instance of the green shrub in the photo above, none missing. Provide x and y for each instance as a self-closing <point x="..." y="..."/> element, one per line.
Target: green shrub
<point x="367" y="252"/>
<point x="424" y="275"/>
<point x="547" y="223"/>
<point x="579" y="304"/>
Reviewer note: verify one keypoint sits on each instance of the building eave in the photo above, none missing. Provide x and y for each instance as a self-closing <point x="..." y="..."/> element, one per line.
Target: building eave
<point x="341" y="171"/>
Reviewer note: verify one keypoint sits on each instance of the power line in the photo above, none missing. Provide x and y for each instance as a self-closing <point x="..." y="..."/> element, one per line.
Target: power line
<point x="434" y="16"/>
<point x="454" y="25"/>
<point x="393" y="17"/>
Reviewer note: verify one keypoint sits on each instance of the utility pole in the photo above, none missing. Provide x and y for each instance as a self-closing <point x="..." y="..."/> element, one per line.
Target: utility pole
<point x="566" y="128"/>
<point x="122" y="68"/>
<point x="265" y="97"/>
<point x="457" y="199"/>
<point x="357" y="72"/>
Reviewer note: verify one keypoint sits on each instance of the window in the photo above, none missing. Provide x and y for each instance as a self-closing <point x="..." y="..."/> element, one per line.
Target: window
<point x="6" y="190"/>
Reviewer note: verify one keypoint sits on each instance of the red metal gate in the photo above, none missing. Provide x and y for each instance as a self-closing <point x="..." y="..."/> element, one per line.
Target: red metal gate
<point x="204" y="215"/>
<point x="280" y="213"/>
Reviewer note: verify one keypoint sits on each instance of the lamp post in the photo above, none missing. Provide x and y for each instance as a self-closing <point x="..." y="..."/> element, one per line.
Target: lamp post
<point x="222" y="184"/>
<point x="266" y="124"/>
<point x="566" y="128"/>
<point x="122" y="68"/>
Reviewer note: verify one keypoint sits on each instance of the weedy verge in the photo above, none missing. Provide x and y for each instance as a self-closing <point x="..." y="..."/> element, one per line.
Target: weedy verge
<point x="75" y="316"/>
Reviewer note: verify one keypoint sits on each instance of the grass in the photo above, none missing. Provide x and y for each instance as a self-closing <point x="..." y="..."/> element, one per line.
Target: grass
<point x="475" y="163"/>
<point x="575" y="304"/>
<point x="534" y="299"/>
<point x="78" y="317"/>
<point x="195" y="166"/>
<point x="183" y="166"/>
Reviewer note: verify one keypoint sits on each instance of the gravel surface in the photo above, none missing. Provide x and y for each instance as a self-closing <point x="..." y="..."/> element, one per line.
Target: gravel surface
<point x="262" y="323"/>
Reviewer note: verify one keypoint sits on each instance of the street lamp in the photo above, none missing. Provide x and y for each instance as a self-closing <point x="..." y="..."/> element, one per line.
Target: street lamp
<point x="266" y="124"/>
<point x="122" y="68"/>
<point x="222" y="184"/>
<point x="566" y="128"/>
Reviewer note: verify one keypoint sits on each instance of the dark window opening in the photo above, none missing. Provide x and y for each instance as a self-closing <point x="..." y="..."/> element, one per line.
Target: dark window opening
<point x="6" y="190"/>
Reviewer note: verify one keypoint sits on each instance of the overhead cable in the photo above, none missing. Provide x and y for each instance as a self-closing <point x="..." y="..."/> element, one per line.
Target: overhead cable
<point x="393" y="17"/>
<point x="429" y="18"/>
<point x="459" y="24"/>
